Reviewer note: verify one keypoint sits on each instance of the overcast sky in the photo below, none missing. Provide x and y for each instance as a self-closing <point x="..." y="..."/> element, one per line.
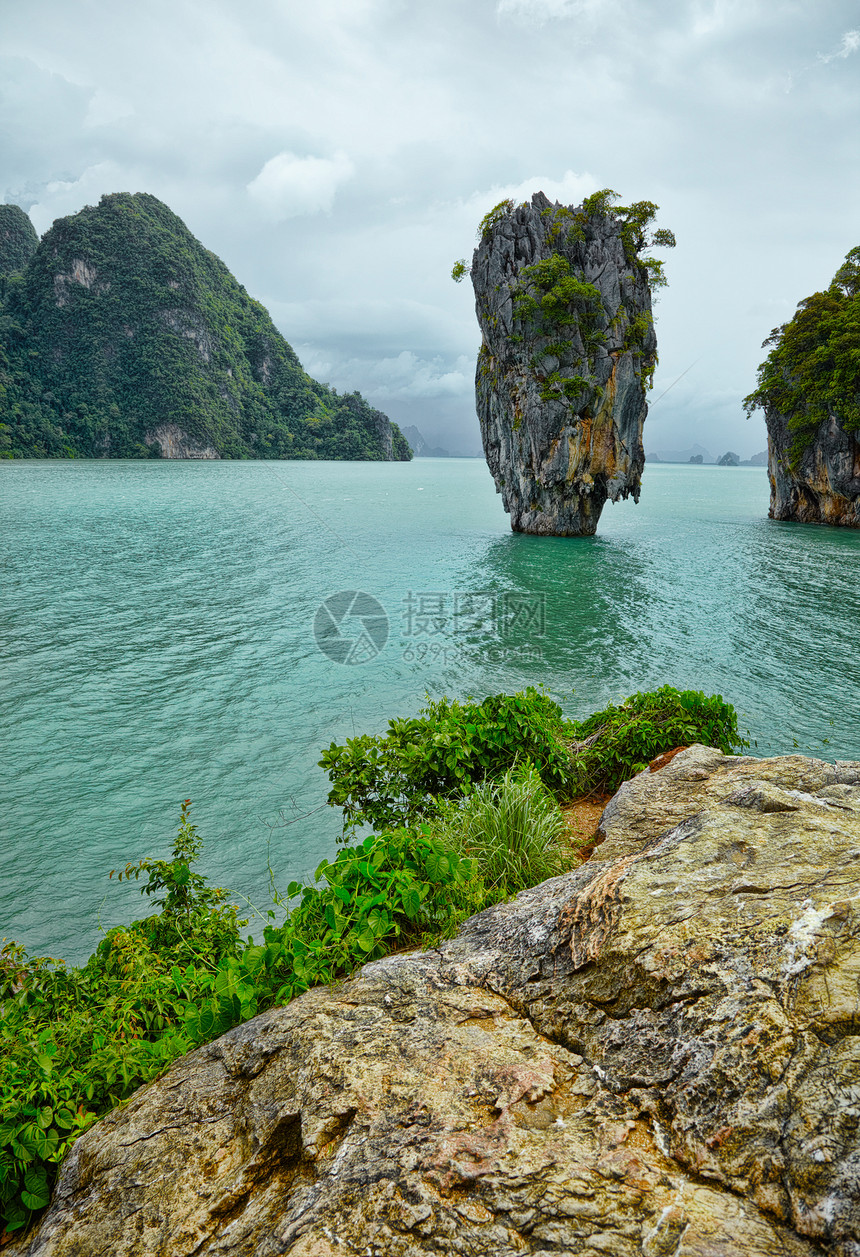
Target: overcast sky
<point x="338" y="155"/>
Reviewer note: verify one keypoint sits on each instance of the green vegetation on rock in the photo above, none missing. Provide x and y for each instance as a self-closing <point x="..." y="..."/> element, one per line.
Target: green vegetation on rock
<point x="464" y="801"/>
<point x="812" y="373"/>
<point x="123" y="334"/>
<point x="18" y="240"/>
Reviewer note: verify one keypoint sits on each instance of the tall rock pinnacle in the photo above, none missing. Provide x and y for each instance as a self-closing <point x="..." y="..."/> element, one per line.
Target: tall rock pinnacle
<point x="564" y="304"/>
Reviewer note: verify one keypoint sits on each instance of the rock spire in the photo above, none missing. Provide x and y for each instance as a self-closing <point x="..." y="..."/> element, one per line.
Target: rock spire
<point x="564" y="304"/>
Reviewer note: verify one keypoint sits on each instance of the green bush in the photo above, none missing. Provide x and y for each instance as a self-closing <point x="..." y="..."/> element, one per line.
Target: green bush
<point x="74" y="1043"/>
<point x="620" y="741"/>
<point x="402" y="777"/>
<point x="407" y="774"/>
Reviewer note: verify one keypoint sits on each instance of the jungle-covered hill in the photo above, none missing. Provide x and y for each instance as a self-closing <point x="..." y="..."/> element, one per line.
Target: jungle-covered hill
<point x="121" y="336"/>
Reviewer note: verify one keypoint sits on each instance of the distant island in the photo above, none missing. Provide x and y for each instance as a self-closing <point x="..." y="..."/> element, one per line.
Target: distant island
<point x="420" y="447"/>
<point x="698" y="455"/>
<point x="121" y="336"/>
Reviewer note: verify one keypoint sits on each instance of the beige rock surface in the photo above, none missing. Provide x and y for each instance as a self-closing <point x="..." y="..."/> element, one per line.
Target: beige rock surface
<point x="656" y="1054"/>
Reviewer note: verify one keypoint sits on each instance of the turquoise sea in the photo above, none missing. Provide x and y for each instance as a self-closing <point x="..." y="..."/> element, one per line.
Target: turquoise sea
<point x="158" y="644"/>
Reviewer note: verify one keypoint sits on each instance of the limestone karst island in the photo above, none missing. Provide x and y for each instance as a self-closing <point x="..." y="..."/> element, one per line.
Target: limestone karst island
<point x="563" y="298"/>
<point x="121" y="336"/>
<point x="809" y="389"/>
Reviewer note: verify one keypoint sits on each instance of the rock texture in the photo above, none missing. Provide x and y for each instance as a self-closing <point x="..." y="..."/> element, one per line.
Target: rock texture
<point x="175" y="442"/>
<point x="824" y="487"/>
<point x="657" y="1054"/>
<point x="559" y="387"/>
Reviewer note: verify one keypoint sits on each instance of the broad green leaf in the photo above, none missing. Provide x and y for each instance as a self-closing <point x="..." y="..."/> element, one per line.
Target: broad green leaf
<point x="33" y="1201"/>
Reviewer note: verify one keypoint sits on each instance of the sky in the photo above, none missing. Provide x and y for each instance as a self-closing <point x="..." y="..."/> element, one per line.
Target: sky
<point x="339" y="155"/>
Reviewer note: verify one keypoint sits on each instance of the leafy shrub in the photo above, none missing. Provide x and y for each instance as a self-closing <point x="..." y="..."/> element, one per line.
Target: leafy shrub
<point x="74" y="1043"/>
<point x="402" y="776"/>
<point x="494" y="216"/>
<point x="194" y="914"/>
<point x="511" y="829"/>
<point x="615" y="744"/>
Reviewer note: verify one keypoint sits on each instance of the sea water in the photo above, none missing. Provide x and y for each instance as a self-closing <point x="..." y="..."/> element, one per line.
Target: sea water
<point x="179" y="630"/>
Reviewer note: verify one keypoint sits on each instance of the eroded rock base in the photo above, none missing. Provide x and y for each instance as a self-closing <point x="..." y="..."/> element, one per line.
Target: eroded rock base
<point x="824" y="486"/>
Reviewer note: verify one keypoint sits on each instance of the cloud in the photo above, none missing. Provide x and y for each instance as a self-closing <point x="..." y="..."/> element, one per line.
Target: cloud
<point x="339" y="157"/>
<point x="68" y="196"/>
<point x="290" y="187"/>
<point x="539" y="11"/>
<point x="390" y="379"/>
<point x="106" y="108"/>
<point x="570" y="189"/>
<point x="850" y="43"/>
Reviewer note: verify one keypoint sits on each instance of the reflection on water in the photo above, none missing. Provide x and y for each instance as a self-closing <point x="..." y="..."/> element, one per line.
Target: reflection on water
<point x="158" y="645"/>
<point x="594" y="594"/>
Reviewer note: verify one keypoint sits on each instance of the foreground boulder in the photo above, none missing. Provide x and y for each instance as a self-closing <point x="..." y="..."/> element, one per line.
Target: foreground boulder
<point x="656" y="1054"/>
<point x="568" y="347"/>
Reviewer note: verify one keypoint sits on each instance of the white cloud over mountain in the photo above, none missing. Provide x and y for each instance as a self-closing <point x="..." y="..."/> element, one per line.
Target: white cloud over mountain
<point x="289" y="186"/>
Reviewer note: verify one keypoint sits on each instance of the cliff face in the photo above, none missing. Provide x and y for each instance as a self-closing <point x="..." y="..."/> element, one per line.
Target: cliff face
<point x="564" y="306"/>
<point x="823" y="485"/>
<point x="654" y="1054"/>
<point x="809" y="390"/>
<point x="124" y="330"/>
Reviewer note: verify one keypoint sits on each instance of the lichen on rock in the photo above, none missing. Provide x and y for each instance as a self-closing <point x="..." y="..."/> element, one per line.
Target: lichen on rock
<point x="568" y="348"/>
<point x="655" y="1054"/>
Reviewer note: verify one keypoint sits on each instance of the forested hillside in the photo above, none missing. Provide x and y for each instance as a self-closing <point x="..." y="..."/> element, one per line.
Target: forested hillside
<point x="122" y="337"/>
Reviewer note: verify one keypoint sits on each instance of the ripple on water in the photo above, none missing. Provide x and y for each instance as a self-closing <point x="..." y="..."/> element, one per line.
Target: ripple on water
<point x="158" y="645"/>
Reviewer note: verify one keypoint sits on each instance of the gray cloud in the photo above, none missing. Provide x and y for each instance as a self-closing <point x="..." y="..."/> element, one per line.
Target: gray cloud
<point x="339" y="157"/>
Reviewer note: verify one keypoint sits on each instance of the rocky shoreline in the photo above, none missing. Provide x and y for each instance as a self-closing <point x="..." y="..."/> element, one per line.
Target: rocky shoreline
<point x="823" y="485"/>
<point x="656" y="1053"/>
